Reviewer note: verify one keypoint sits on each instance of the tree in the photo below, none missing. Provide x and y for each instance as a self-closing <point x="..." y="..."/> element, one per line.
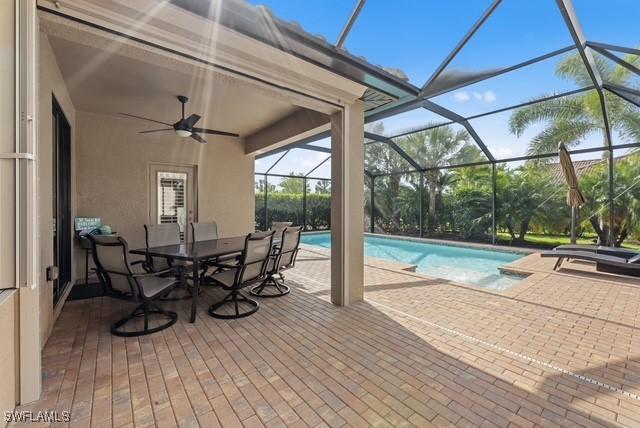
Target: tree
<point x="524" y="195"/>
<point x="435" y="148"/>
<point x="293" y="184"/>
<point x="571" y="119"/>
<point x="260" y="186"/>
<point x="323" y="186"/>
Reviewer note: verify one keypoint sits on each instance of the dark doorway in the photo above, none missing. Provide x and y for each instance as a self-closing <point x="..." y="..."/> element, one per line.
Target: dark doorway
<point x="61" y="180"/>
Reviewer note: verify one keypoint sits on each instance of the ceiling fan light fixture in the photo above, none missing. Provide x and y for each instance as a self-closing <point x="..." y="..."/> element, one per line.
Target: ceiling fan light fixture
<point x="183" y="133"/>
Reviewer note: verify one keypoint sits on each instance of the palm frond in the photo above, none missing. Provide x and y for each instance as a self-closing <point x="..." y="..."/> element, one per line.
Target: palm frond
<point x="569" y="132"/>
<point x="565" y="108"/>
<point x="572" y="68"/>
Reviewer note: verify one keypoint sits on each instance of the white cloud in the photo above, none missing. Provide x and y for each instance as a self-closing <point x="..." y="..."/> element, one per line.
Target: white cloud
<point x="489" y="97"/>
<point x="486" y="96"/>
<point x="501" y="152"/>
<point x="462" y="96"/>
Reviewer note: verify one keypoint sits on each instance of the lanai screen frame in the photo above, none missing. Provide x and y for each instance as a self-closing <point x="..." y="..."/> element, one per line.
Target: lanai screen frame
<point x="431" y="89"/>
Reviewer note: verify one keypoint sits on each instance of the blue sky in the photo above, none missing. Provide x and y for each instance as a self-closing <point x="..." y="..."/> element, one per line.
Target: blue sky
<point x="415" y="36"/>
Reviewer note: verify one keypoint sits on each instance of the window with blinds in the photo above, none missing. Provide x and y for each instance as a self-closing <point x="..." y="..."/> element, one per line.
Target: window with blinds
<point x="172" y="199"/>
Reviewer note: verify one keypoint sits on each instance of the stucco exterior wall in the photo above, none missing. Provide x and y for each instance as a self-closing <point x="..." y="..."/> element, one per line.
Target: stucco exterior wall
<point x="112" y="176"/>
<point x="51" y="84"/>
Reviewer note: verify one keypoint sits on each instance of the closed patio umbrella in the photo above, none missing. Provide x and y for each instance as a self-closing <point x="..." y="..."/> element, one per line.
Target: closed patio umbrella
<point x="575" y="198"/>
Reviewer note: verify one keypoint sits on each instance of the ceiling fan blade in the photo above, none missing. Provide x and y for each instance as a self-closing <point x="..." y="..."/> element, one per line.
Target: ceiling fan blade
<point x="156" y="130"/>
<point x="214" y="132"/>
<point x="198" y="138"/>
<point x="191" y="120"/>
<point x="145" y="118"/>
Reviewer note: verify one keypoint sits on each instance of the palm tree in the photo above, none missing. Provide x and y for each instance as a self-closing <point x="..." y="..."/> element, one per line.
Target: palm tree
<point x="435" y="148"/>
<point x="571" y="119"/>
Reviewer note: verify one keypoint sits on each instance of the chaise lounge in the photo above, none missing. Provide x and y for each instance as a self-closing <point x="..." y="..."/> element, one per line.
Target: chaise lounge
<point x="608" y="259"/>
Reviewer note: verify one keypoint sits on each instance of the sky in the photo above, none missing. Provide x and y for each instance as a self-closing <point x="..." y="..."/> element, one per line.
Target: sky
<point x="416" y="36"/>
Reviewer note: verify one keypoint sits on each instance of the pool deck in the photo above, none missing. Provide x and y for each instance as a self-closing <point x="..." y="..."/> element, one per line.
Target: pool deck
<point x="558" y="349"/>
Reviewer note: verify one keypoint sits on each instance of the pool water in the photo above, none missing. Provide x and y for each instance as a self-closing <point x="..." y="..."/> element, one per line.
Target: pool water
<point x="460" y="264"/>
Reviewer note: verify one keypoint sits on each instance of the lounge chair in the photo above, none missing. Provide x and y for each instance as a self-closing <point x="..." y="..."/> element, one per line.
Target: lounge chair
<point x="624" y="263"/>
<point x="600" y="249"/>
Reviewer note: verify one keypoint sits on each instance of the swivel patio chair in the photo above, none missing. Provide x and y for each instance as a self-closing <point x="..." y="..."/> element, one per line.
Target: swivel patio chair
<point x="204" y="231"/>
<point x="282" y="258"/>
<point x="250" y="270"/>
<point x="121" y="281"/>
<point x="157" y="235"/>
<point x="207" y="232"/>
<point x="279" y="226"/>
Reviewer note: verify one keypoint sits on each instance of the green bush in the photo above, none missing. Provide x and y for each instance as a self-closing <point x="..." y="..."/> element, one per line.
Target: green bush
<point x="288" y="207"/>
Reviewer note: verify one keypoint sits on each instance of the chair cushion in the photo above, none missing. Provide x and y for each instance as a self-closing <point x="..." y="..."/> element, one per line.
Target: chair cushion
<point x="226" y="277"/>
<point x="153" y="285"/>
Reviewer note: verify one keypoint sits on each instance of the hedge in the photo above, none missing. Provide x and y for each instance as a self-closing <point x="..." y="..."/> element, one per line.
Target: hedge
<point x="288" y="207"/>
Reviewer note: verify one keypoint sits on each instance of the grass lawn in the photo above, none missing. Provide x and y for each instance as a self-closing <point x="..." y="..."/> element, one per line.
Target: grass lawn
<point x="550" y="241"/>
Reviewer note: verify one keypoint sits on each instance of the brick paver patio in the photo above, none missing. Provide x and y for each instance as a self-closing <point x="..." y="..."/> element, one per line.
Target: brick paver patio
<point x="557" y="349"/>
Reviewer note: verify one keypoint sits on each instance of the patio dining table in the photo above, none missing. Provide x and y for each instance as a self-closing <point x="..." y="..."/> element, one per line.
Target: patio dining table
<point x="196" y="253"/>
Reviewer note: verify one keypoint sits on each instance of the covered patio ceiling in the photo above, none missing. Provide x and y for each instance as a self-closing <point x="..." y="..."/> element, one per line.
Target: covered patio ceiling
<point x="113" y="84"/>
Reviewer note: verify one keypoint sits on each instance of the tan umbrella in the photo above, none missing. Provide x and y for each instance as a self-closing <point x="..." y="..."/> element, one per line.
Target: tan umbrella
<point x="575" y="198"/>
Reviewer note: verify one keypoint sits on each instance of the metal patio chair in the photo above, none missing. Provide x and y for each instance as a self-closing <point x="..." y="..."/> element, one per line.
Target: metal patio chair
<point x="250" y="270"/>
<point x="283" y="258"/>
<point x="121" y="281"/>
<point x="157" y="235"/>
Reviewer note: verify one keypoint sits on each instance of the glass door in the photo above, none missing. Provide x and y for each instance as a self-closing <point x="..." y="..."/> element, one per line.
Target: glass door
<point x="61" y="209"/>
<point x="172" y="196"/>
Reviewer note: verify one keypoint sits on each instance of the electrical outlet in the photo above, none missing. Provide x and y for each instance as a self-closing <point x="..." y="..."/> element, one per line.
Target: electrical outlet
<point x="52" y="273"/>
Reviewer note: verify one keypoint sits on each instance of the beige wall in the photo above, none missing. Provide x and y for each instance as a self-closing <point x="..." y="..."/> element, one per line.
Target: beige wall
<point x="8" y="350"/>
<point x="112" y="175"/>
<point x="50" y="83"/>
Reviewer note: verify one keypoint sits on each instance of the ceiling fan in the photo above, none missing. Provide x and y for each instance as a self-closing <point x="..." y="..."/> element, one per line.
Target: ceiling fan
<point x="185" y="126"/>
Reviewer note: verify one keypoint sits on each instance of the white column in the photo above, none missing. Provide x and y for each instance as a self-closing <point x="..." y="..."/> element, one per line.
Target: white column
<point x="347" y="211"/>
<point x="27" y="249"/>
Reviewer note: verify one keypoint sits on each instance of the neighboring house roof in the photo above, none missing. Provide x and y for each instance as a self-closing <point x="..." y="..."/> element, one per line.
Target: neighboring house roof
<point x="582" y="167"/>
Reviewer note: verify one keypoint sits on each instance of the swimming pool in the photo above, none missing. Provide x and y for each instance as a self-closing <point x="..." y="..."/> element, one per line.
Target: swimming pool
<point x="454" y="263"/>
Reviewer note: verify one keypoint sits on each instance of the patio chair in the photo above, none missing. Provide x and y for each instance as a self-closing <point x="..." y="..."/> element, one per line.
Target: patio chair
<point x="250" y="270"/>
<point x="204" y="231"/>
<point x="279" y="226"/>
<point x="628" y="264"/>
<point x="157" y="235"/>
<point x="207" y="232"/>
<point x="121" y="281"/>
<point x="282" y="258"/>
